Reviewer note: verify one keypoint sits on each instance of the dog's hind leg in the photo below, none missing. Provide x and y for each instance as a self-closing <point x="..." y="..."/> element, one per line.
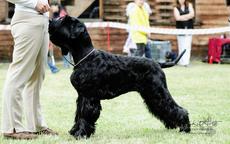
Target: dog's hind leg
<point x="161" y="104"/>
<point x="88" y="111"/>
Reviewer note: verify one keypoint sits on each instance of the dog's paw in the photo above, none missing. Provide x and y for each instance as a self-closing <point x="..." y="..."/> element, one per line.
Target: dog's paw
<point x="73" y="130"/>
<point x="80" y="134"/>
<point x="185" y="128"/>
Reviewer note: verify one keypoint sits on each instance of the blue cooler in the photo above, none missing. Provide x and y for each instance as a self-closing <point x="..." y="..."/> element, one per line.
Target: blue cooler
<point x="159" y="49"/>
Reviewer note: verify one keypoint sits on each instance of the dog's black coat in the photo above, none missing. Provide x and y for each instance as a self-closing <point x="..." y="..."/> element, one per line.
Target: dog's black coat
<point x="104" y="76"/>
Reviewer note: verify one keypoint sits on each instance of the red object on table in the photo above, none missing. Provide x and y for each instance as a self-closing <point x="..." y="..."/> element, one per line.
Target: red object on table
<point x="215" y="48"/>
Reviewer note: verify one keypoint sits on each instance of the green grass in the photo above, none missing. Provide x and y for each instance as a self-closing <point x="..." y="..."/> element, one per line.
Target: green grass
<point x="203" y="89"/>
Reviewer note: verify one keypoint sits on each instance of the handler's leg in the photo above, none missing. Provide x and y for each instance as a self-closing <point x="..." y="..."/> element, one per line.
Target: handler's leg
<point x="20" y="70"/>
<point x="34" y="118"/>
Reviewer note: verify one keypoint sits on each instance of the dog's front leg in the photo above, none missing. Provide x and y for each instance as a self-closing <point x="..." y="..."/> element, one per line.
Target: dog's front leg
<point x="88" y="111"/>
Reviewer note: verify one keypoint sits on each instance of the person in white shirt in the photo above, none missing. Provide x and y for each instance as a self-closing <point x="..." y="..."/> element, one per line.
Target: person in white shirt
<point x="29" y="28"/>
<point x="130" y="47"/>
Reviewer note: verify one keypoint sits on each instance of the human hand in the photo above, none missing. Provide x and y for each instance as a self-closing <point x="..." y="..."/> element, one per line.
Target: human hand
<point x="41" y="7"/>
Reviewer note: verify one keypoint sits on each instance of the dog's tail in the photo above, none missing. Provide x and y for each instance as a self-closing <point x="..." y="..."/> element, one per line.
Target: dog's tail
<point x="173" y="63"/>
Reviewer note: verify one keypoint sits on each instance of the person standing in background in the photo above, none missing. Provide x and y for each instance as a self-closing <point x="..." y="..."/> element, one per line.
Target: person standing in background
<point x="228" y="2"/>
<point x="130" y="47"/>
<point x="139" y="16"/>
<point x="184" y="14"/>
<point x="29" y="28"/>
<point x="228" y="6"/>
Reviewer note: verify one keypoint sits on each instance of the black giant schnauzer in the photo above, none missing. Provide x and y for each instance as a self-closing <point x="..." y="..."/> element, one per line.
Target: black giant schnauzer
<point x="99" y="75"/>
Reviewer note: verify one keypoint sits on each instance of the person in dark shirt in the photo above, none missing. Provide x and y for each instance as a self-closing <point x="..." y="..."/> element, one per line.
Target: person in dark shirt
<point x="228" y="2"/>
<point x="184" y="14"/>
<point x="228" y="5"/>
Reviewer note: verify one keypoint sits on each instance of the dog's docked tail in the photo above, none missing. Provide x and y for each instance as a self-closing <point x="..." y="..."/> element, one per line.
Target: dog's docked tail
<point x="173" y="63"/>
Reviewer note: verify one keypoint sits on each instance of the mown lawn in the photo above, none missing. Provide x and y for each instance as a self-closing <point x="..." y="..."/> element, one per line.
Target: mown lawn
<point x="203" y="89"/>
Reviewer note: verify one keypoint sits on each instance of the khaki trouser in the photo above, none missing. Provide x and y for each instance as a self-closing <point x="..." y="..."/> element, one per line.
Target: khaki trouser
<point x="26" y="73"/>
